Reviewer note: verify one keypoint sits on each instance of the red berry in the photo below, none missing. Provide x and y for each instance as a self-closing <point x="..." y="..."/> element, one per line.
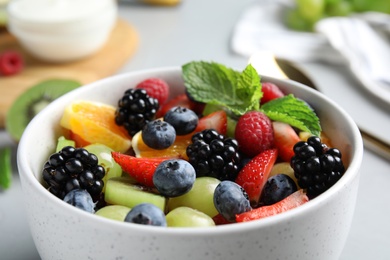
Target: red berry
<point x="216" y="120"/>
<point x="284" y="140"/>
<point x="254" y="133"/>
<point x="253" y="176"/>
<point x="11" y="62"/>
<point x="221" y="220"/>
<point x="141" y="169"/>
<point x="270" y="92"/>
<point x="292" y="201"/>
<point x="156" y="88"/>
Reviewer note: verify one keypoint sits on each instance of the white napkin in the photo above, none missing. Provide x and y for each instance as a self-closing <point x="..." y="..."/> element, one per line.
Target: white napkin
<point x="366" y="51"/>
<point x="260" y="28"/>
<point x="358" y="41"/>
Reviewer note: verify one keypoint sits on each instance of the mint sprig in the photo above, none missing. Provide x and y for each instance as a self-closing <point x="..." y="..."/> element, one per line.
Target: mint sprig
<point x="215" y="84"/>
<point x="240" y="92"/>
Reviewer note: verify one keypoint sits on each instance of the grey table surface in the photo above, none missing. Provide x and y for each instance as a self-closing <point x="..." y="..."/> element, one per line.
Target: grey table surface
<point x="201" y="30"/>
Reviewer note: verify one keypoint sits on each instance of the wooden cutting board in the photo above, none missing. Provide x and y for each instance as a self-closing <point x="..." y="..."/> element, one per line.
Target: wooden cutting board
<point x="119" y="48"/>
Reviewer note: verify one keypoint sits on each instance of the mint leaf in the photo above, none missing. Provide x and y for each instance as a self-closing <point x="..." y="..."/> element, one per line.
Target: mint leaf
<point x="293" y="111"/>
<point x="213" y="83"/>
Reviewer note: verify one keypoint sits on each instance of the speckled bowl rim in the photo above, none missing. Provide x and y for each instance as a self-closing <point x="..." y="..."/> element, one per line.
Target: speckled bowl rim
<point x="350" y="174"/>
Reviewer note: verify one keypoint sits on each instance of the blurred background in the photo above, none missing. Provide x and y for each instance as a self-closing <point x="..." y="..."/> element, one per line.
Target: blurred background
<point x="340" y="46"/>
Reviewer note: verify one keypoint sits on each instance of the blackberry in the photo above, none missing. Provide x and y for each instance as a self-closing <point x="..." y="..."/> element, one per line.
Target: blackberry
<point x="316" y="166"/>
<point x="73" y="168"/>
<point x="211" y="154"/>
<point x="135" y="109"/>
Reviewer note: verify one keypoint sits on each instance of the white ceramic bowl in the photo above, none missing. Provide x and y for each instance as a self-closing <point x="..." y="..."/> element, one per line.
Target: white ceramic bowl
<point x="315" y="230"/>
<point x="74" y="29"/>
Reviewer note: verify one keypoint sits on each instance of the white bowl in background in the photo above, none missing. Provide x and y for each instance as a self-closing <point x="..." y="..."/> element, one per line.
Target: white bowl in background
<point x="315" y="230"/>
<point x="66" y="30"/>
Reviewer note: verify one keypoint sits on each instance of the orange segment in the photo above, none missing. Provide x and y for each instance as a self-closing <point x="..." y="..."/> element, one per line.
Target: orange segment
<point x="176" y="150"/>
<point x="95" y="123"/>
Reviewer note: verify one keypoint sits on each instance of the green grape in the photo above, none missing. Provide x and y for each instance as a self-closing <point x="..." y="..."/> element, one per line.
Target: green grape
<point x="295" y="21"/>
<point x="200" y="197"/>
<point x="371" y="5"/>
<point x="311" y="10"/>
<point x="62" y="142"/>
<point x="188" y="217"/>
<point x="103" y="153"/>
<point x="331" y="2"/>
<point x="231" y="126"/>
<point x="115" y="212"/>
<point x="341" y="8"/>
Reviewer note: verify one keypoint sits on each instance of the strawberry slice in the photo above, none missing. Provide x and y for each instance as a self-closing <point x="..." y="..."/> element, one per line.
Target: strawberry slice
<point x="141" y="169"/>
<point x="216" y="120"/>
<point x="284" y="140"/>
<point x="292" y="201"/>
<point x="220" y="220"/>
<point x="254" y="174"/>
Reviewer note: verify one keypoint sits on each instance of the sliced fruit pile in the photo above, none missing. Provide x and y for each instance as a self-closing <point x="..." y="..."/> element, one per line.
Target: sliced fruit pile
<point x="224" y="151"/>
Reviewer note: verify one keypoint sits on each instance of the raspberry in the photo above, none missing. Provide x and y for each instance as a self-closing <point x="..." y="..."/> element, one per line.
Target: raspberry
<point x="156" y="88"/>
<point x="11" y="62"/>
<point x="254" y="133"/>
<point x="270" y="92"/>
<point x="316" y="166"/>
<point x="135" y="109"/>
<point x="73" y="168"/>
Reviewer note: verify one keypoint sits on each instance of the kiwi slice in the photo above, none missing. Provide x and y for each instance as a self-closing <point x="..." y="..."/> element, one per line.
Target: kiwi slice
<point x="32" y="101"/>
<point x="123" y="191"/>
<point x="5" y="168"/>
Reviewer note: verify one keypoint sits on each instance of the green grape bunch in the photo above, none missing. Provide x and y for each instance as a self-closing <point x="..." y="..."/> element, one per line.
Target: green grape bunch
<point x="304" y="15"/>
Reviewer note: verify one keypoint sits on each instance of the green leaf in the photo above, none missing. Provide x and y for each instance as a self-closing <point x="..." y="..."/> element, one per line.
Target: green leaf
<point x="293" y="111"/>
<point x="213" y="83"/>
<point x="5" y="168"/>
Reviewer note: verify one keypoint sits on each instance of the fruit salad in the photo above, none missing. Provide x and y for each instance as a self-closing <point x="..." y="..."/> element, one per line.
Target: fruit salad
<point x="230" y="149"/>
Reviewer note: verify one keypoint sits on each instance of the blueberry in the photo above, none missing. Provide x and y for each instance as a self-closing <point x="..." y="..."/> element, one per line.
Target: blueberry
<point x="174" y="177"/>
<point x="146" y="214"/>
<point x="184" y="120"/>
<point x="80" y="199"/>
<point x="158" y="134"/>
<point x="231" y="199"/>
<point x="277" y="188"/>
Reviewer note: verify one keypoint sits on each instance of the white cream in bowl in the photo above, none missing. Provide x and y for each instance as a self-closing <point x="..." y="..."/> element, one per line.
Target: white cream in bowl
<point x="62" y="30"/>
